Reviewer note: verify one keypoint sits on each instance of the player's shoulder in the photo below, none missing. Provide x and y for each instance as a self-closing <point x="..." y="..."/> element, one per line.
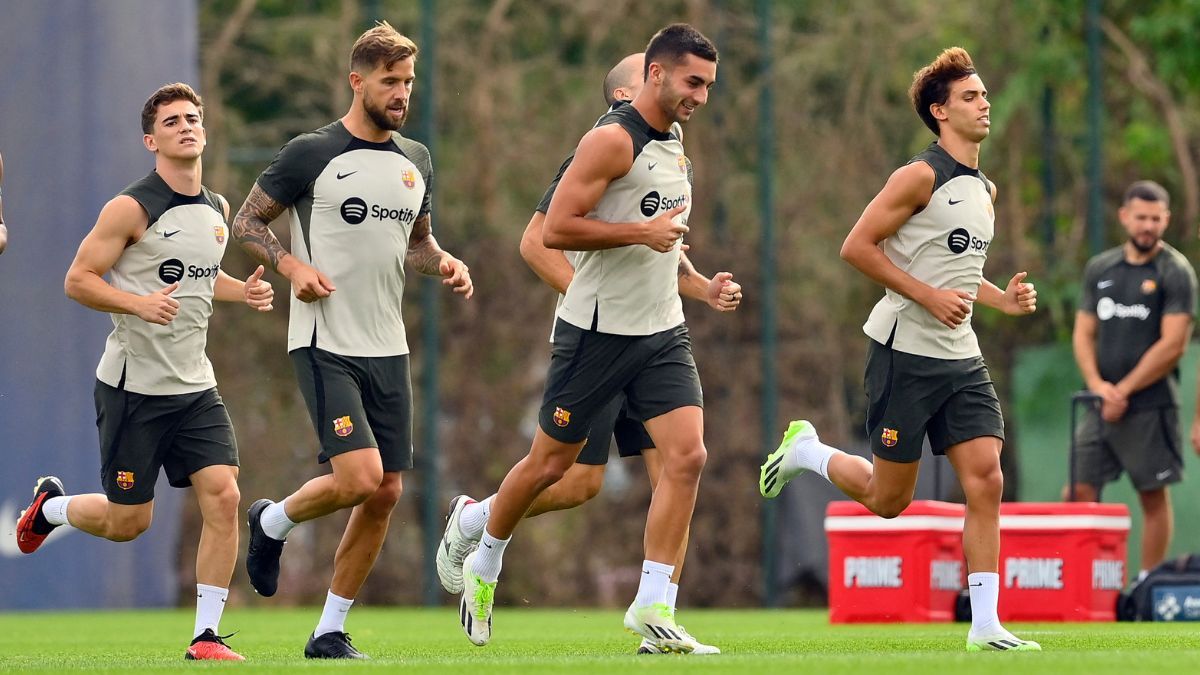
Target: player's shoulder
<point x="329" y="139"/>
<point x="416" y="151"/>
<point x="1172" y="259"/>
<point x="215" y="200"/>
<point x="1104" y="260"/>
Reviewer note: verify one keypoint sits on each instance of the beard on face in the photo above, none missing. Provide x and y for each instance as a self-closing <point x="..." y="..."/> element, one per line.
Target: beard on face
<point x="1144" y="248"/>
<point x="380" y="117"/>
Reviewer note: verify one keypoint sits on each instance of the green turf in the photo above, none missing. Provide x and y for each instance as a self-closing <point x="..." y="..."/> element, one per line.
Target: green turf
<point x="584" y="641"/>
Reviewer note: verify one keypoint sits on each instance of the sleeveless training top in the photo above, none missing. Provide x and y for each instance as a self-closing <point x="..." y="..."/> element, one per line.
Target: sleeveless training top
<point x="633" y="290"/>
<point x="945" y="246"/>
<point x="184" y="241"/>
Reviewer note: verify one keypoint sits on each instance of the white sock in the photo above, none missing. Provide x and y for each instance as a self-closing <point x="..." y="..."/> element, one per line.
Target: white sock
<point x="672" y="595"/>
<point x="275" y="522"/>
<point x="808" y="454"/>
<point x="489" y="557"/>
<point x="333" y="617"/>
<point x="474" y="517"/>
<point x="984" y="588"/>
<point x="655" y="579"/>
<point x="54" y="510"/>
<point x="210" y="603"/>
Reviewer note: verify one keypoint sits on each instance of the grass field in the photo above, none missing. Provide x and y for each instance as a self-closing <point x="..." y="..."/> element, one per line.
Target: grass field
<point x="583" y="641"/>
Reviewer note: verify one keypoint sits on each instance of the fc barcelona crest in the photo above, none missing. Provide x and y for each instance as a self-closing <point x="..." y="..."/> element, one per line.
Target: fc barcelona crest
<point x="683" y="162"/>
<point x="1149" y="286"/>
<point x="890" y="437"/>
<point x="219" y="231"/>
<point x="409" y="178"/>
<point x="125" y="480"/>
<point x="343" y="427"/>
<point x="562" y="417"/>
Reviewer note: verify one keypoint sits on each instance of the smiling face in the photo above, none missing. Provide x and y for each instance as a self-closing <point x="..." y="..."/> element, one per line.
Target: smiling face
<point x="385" y="92"/>
<point x="178" y="131"/>
<point x="967" y="111"/>
<point x="683" y="87"/>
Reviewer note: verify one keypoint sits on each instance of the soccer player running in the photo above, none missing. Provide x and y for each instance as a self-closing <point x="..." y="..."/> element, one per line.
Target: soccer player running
<point x="925" y="238"/>
<point x="1133" y="325"/>
<point x="359" y="198"/>
<point x="623" y="203"/>
<point x="157" y="406"/>
<point x="581" y="482"/>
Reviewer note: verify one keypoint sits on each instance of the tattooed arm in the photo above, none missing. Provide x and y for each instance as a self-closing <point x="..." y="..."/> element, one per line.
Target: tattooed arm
<point x="252" y="229"/>
<point x="427" y="257"/>
<point x="720" y="292"/>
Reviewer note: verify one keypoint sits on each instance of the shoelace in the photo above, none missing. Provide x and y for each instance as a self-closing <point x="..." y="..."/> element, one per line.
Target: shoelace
<point x="211" y="636"/>
<point x="484" y="596"/>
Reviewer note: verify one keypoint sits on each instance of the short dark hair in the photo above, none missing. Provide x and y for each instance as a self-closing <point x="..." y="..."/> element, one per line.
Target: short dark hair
<point x="931" y="84"/>
<point x="168" y="93"/>
<point x="1147" y="191"/>
<point x="380" y="46"/>
<point x="675" y="42"/>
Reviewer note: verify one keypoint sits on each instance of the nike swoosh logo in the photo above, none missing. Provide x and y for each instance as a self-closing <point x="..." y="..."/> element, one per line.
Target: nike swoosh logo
<point x="652" y="165"/>
<point x="1162" y="474"/>
<point x="1105" y="284"/>
<point x="168" y="235"/>
<point x="955" y="201"/>
<point x="487" y="545"/>
<point x="345" y="175"/>
<point x="978" y="584"/>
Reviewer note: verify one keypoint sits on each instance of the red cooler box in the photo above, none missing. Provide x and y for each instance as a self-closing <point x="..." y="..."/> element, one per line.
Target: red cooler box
<point x="909" y="568"/>
<point x="1061" y="562"/>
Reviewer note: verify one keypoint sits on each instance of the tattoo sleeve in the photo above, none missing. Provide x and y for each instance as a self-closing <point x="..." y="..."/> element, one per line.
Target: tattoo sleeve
<point x="424" y="254"/>
<point x="252" y="227"/>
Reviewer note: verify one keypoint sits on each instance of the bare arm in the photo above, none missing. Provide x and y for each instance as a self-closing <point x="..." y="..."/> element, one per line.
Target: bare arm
<point x="121" y="222"/>
<point x="1114" y="403"/>
<point x="604" y="154"/>
<point x="427" y="257"/>
<point x="1016" y="299"/>
<point x="252" y="228"/>
<point x="721" y="292"/>
<point x="907" y="191"/>
<point x="549" y="264"/>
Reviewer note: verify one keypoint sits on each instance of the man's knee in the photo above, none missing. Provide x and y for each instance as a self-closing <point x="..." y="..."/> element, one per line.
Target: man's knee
<point x="357" y="482"/>
<point x="127" y="528"/>
<point x="687" y="462"/>
<point x="385" y="497"/>
<point x="888" y="506"/>
<point x="581" y="483"/>
<point x="984" y="483"/>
